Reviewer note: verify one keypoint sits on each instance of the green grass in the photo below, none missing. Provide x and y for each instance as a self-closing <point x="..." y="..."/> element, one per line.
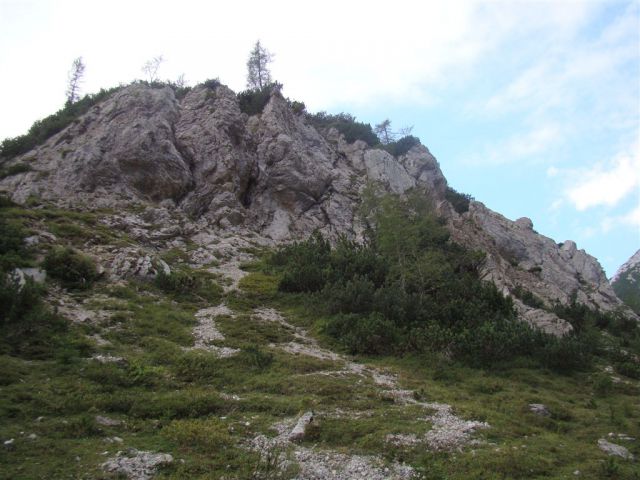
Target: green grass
<point x="173" y="399"/>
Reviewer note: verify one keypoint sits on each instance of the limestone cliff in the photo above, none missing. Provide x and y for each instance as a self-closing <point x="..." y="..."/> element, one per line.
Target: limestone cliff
<point x="276" y="175"/>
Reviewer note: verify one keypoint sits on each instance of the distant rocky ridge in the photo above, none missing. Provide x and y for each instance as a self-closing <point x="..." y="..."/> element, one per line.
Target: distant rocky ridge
<point x="626" y="282"/>
<point x="276" y="175"/>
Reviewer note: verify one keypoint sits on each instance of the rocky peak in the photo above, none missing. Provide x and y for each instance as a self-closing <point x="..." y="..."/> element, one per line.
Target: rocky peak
<point x="275" y="174"/>
<point x="633" y="264"/>
<point x="626" y="282"/>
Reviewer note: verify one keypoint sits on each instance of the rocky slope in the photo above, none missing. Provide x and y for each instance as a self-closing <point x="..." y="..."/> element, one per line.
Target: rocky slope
<point x="626" y="282"/>
<point x="273" y="174"/>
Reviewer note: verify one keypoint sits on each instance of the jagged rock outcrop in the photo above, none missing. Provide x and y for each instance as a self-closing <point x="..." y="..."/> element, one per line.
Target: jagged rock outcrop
<point x="278" y="176"/>
<point x="626" y="282"/>
<point x="122" y="148"/>
<point x="518" y="256"/>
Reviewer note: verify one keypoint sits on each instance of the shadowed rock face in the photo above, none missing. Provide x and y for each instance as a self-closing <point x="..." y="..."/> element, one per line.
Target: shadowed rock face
<point x="276" y="175"/>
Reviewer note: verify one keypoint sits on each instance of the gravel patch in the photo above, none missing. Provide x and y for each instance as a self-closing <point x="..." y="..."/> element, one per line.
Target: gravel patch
<point x="207" y="332"/>
<point x="135" y="464"/>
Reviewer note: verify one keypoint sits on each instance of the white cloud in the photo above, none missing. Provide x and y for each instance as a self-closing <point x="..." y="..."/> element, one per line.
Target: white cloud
<point x="630" y="219"/>
<point x="606" y="184"/>
<point x="520" y="146"/>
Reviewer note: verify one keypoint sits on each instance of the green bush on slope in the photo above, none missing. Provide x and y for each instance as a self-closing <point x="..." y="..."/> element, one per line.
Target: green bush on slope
<point x="407" y="289"/>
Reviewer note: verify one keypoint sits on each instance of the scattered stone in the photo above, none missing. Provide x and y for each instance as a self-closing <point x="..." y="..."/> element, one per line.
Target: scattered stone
<point x="614" y="450"/>
<point x="113" y="440"/>
<point x="622" y="436"/>
<point x="135" y="464"/>
<point x="227" y="396"/>
<point x="299" y="430"/>
<point x="539" y="409"/>
<point x="108" y="359"/>
<point x="32" y="436"/>
<point x="402" y="440"/>
<point x="108" y="422"/>
<point x="449" y="431"/>
<point x="9" y="443"/>
<point x="327" y="465"/>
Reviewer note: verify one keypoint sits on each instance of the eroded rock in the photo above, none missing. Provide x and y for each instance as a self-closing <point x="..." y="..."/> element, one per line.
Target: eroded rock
<point x="136" y="464"/>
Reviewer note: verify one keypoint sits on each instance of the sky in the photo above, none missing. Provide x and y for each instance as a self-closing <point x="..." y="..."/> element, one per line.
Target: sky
<point x="533" y="108"/>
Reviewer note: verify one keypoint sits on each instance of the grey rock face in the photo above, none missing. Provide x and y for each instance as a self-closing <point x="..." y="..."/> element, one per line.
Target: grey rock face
<point x="276" y="175"/>
<point x="518" y="256"/>
<point x="124" y="147"/>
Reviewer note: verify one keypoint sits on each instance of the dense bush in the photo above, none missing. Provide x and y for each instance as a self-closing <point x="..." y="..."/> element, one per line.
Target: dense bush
<point x="569" y="353"/>
<point x="41" y="130"/>
<point x="254" y="100"/>
<point x="459" y="201"/>
<point x="298" y="107"/>
<point x="73" y="269"/>
<point x="28" y="328"/>
<point x="347" y="125"/>
<point x="402" y="146"/>
<point x="310" y="258"/>
<point x="189" y="285"/>
<point x="13" y="252"/>
<point x="212" y="83"/>
<point x="407" y="289"/>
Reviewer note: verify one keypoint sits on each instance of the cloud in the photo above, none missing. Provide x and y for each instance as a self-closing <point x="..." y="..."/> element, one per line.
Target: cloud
<point x="606" y="184"/>
<point x="630" y="219"/>
<point x="520" y="146"/>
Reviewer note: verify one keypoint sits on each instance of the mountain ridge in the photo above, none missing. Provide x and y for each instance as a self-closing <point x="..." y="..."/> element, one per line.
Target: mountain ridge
<point x="275" y="174"/>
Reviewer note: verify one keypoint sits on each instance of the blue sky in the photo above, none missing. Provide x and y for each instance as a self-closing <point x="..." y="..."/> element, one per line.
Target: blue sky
<point x="531" y="107"/>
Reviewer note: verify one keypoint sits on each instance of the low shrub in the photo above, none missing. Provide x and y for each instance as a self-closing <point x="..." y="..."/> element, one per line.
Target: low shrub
<point x="211" y="83"/>
<point x="189" y="285"/>
<point x="402" y="146"/>
<point x="347" y="125"/>
<point x="13" y="252"/>
<point x="177" y="404"/>
<point x="629" y="369"/>
<point x="73" y="269"/>
<point x="196" y="366"/>
<point x="459" y="201"/>
<point x="29" y="329"/>
<point x="255" y="357"/>
<point x="298" y="107"/>
<point x="573" y="352"/>
<point x="202" y="435"/>
<point x="366" y="334"/>
<point x="253" y="101"/>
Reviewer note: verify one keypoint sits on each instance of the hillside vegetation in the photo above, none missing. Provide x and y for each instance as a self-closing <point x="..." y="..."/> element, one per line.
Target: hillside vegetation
<point x="91" y="365"/>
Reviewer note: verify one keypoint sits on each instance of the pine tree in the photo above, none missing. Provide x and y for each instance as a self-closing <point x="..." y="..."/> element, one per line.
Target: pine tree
<point x="76" y="75"/>
<point x="258" y="74"/>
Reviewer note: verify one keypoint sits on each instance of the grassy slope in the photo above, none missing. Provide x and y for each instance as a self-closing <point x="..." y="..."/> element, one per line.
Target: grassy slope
<point x="173" y="400"/>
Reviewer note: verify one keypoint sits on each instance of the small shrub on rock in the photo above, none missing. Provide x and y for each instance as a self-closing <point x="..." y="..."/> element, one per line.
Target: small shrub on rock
<point x="402" y="146"/>
<point x="73" y="269"/>
<point x="459" y="201"/>
<point x="253" y="101"/>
